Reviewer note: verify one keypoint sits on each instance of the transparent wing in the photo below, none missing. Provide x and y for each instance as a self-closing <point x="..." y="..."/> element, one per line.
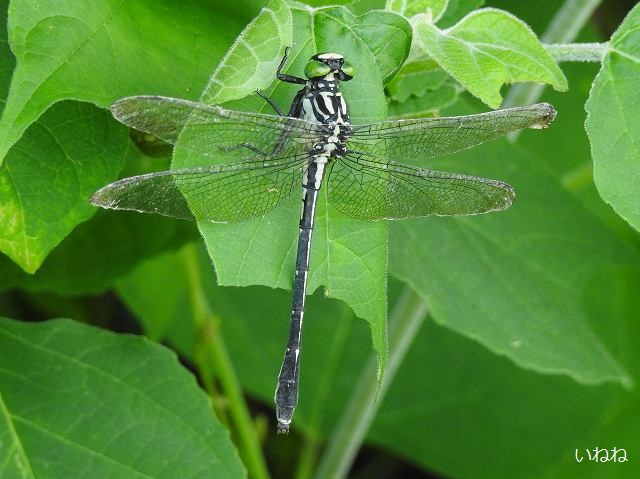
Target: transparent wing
<point x="218" y="193"/>
<point x="370" y="188"/>
<point x="214" y="132"/>
<point x="432" y="137"/>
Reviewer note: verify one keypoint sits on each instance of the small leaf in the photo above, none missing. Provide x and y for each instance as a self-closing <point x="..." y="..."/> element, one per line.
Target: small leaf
<point x="487" y="49"/>
<point x="68" y="50"/>
<point x="154" y="299"/>
<point x="415" y="78"/>
<point x="78" y="399"/>
<point x="613" y="122"/>
<point x="434" y="9"/>
<point x="429" y="104"/>
<point x="457" y="9"/>
<point x="47" y="179"/>
<point x="420" y="88"/>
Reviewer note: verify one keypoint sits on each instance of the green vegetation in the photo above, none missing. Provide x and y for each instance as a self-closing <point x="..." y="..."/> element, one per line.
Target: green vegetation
<point x="512" y="337"/>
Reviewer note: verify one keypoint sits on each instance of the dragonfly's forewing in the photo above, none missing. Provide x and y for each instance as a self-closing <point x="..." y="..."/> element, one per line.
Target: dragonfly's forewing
<point x="217" y="193"/>
<point x="214" y="134"/>
<point x="369" y="188"/>
<point x="250" y="162"/>
<point x="431" y="137"/>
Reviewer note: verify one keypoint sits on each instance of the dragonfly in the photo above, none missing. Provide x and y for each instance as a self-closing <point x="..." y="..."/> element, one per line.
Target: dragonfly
<point x="262" y="159"/>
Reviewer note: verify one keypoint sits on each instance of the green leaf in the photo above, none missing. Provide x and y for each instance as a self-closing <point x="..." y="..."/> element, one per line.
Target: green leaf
<point x="7" y="60"/>
<point x="513" y="280"/>
<point x="420" y="89"/>
<point x="77" y="399"/>
<point x="98" y="252"/>
<point x="470" y="409"/>
<point x="434" y="9"/>
<point x="612" y="123"/>
<point x="254" y="57"/>
<point x="456" y="9"/>
<point x="98" y="53"/>
<point x="429" y="104"/>
<point x="158" y="302"/>
<point x="348" y="257"/>
<point x="487" y="49"/>
<point x="47" y="179"/>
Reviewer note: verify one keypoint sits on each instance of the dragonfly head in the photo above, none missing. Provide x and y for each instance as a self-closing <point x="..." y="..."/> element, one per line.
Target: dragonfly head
<point x="329" y="66"/>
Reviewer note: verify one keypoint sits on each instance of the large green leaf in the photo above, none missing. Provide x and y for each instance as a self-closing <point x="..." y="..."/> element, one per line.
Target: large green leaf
<point x="613" y="122"/>
<point x="74" y="149"/>
<point x="487" y="49"/>
<point x="101" y="50"/>
<point x="47" y="179"/>
<point x="459" y="410"/>
<point x="348" y="257"/>
<point x="78" y="401"/>
<point x="512" y="280"/>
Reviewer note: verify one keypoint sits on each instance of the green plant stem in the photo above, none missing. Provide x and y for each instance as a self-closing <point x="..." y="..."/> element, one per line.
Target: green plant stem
<point x="312" y="442"/>
<point x="570" y="18"/>
<point x="351" y="429"/>
<point x="578" y="178"/>
<point x="577" y="52"/>
<point x="214" y="353"/>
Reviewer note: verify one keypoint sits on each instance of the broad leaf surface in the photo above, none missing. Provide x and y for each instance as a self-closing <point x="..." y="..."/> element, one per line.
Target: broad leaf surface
<point x="348" y="258"/>
<point x="74" y="149"/>
<point x="487" y="49"/>
<point x="48" y="177"/>
<point x="613" y="122"/>
<point x="459" y="410"/>
<point x="104" y="50"/>
<point x="512" y="280"/>
<point x="76" y="399"/>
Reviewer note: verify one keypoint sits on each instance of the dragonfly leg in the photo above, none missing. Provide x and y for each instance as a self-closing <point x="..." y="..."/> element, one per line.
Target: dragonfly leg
<point x="270" y="102"/>
<point x="287" y="78"/>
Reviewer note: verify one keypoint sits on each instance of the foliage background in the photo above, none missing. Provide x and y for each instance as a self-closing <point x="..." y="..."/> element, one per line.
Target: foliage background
<point x="526" y="354"/>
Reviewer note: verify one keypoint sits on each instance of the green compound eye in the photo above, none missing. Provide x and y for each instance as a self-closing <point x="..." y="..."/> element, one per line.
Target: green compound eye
<point x="316" y="69"/>
<point x="348" y="69"/>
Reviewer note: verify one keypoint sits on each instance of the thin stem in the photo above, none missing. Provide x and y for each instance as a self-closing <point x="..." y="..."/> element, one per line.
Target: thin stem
<point x="577" y="52"/>
<point x="564" y="28"/>
<point x="214" y="355"/>
<point x="352" y="427"/>
<point x="578" y="178"/>
<point x="312" y="444"/>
